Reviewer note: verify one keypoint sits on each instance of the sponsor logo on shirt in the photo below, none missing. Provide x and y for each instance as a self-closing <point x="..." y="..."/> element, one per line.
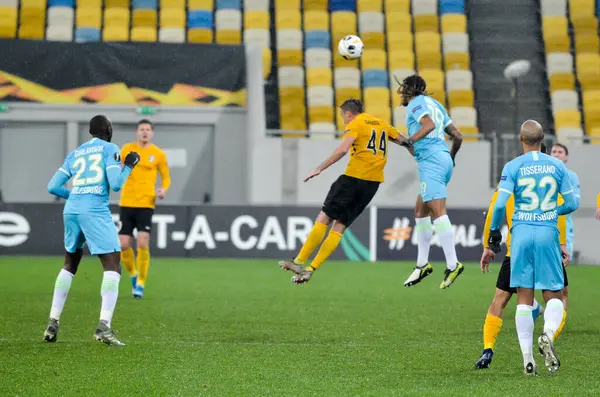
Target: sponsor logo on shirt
<point x="503" y="178"/>
<point x="417" y="108"/>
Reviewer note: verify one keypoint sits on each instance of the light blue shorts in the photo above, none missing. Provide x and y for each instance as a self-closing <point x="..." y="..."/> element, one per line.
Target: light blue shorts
<point x="97" y="230"/>
<point x="434" y="175"/>
<point x="536" y="261"/>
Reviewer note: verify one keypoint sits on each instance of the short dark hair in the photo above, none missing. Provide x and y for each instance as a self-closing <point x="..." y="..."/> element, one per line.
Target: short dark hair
<point x="413" y="85"/>
<point x="562" y="146"/>
<point x="145" y="121"/>
<point x="543" y="148"/>
<point x="100" y="126"/>
<point x="353" y="106"/>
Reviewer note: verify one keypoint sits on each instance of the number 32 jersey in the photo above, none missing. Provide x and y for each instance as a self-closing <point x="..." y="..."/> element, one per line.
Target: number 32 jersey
<point x="368" y="154"/>
<point x="435" y="141"/>
<point x="535" y="179"/>
<point x="86" y="166"/>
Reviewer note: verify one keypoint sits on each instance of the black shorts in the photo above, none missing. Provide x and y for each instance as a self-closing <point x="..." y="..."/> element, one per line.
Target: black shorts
<point x="503" y="281"/>
<point x="348" y="197"/>
<point x="135" y="218"/>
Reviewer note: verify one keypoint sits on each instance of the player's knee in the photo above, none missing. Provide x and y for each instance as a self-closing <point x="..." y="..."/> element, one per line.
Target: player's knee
<point x="338" y="227"/>
<point x="323" y="218"/>
<point x="143" y="240"/>
<point x="125" y="241"/>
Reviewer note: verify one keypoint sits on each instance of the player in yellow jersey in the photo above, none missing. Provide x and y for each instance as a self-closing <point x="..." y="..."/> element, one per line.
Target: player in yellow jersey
<point x="137" y="203"/>
<point x="493" y="319"/>
<point x="366" y="138"/>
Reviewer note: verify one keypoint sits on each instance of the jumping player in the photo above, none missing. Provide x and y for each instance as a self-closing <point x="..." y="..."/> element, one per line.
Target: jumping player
<point x="428" y="123"/>
<point x="366" y="138"/>
<point x="95" y="169"/>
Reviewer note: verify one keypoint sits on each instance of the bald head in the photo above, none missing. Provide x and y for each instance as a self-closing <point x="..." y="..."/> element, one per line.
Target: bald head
<point x="531" y="133"/>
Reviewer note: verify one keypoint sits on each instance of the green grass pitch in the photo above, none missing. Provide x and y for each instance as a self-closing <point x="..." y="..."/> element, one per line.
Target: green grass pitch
<point x="241" y="328"/>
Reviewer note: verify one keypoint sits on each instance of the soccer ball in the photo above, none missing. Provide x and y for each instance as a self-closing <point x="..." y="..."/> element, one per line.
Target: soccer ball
<point x="351" y="47"/>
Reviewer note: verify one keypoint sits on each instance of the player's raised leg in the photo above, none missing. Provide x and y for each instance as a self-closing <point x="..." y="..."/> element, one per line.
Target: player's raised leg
<point x="315" y="237"/>
<point x="61" y="291"/>
<point x="424" y="232"/>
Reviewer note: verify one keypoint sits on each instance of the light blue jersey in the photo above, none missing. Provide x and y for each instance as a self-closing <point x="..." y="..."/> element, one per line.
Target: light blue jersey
<point x="570" y="227"/>
<point x="435" y="141"/>
<point x="95" y="169"/>
<point x="535" y="179"/>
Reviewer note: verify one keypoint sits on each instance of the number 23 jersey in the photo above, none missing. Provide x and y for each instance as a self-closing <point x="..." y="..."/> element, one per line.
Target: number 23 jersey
<point x="435" y="141"/>
<point x="368" y="154"/>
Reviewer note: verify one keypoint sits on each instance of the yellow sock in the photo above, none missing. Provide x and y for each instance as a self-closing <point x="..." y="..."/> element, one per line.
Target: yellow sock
<point x="143" y="262"/>
<point x="491" y="329"/>
<point x="562" y="325"/>
<point x="128" y="260"/>
<point x="312" y="242"/>
<point x="329" y="245"/>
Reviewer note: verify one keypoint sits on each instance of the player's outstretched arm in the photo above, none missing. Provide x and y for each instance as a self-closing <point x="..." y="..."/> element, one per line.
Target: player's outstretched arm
<point x="337" y="154"/>
<point x="457" y="139"/>
<point x="404" y="141"/>
<point x="55" y="186"/>
<point x="427" y="125"/>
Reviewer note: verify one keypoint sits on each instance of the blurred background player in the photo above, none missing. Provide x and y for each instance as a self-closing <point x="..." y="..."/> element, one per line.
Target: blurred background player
<point x="137" y="203"/>
<point x="504" y="292"/>
<point x="535" y="179"/>
<point x="427" y="122"/>
<point x="366" y="137"/>
<point x="95" y="167"/>
<point x="561" y="152"/>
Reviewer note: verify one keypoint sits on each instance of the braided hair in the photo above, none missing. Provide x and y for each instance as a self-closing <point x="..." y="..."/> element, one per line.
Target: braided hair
<point x="412" y="86"/>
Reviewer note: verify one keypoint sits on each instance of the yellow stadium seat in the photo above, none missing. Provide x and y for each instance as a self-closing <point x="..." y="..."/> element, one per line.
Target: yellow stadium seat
<point x="318" y="76"/>
<point x="115" y="33"/>
<point x="591" y="97"/>
<point x="89" y="3"/>
<point x="143" y="17"/>
<point x="164" y="4"/>
<point x="595" y="133"/>
<point x="468" y="130"/>
<point x="172" y="18"/>
<point x="198" y="35"/>
<point x="586" y="42"/>
<point x="375" y="40"/>
<point x="88" y="18"/>
<point x="400" y="42"/>
<point x="457" y="98"/>
<point x="592" y="116"/>
<point x="33" y="32"/>
<point x="584" y="23"/>
<point x="454" y="23"/>
<point x="289" y="57"/>
<point x="562" y="81"/>
<point x="457" y="60"/>
<point x="8" y="22"/>
<point x="320" y="114"/>
<point x="256" y="20"/>
<point x="33" y="4"/>
<point x="267" y="59"/>
<point x="229" y="37"/>
<point x="427" y="42"/>
<point x="558" y="42"/>
<point x="368" y="5"/>
<point x="287" y="5"/>
<point x="398" y="22"/>
<point x="567" y="118"/>
<point x="343" y="23"/>
<point x="374" y="59"/>
<point x="439" y="96"/>
<point x="342" y="94"/>
<point x="117" y="4"/>
<point x="316" y="20"/>
<point x="588" y="70"/>
<point x="288" y="19"/>
<point x="116" y="17"/>
<point x="434" y="79"/>
<point x="429" y="60"/>
<point x="426" y="23"/>
<point x="201" y="4"/>
<point x="576" y="6"/>
<point x="144" y="33"/>
<point x="397" y="5"/>
<point x="320" y="5"/>
<point x="555" y="25"/>
<point x="401" y="60"/>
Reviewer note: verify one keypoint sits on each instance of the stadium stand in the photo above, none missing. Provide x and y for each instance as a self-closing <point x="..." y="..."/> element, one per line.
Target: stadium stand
<point x="400" y="37"/>
<point x="570" y="32"/>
